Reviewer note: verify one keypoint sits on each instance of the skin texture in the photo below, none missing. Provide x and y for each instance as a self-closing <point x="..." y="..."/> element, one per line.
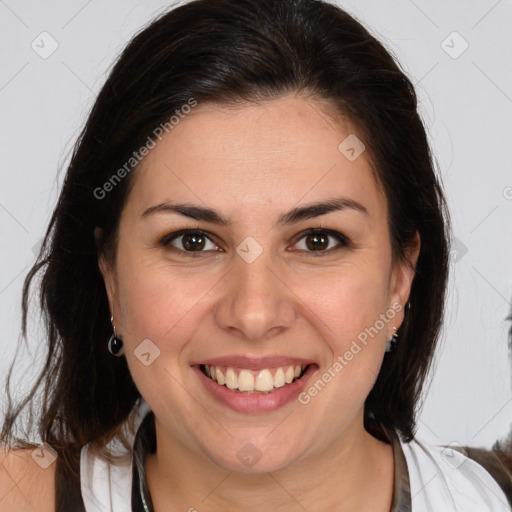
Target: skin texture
<point x="252" y="163"/>
<point x="24" y="485"/>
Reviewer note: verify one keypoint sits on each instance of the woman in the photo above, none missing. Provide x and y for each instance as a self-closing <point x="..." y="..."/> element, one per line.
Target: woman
<point x="281" y="363"/>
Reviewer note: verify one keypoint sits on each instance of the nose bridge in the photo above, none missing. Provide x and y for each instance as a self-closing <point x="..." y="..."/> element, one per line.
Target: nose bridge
<point x="256" y="301"/>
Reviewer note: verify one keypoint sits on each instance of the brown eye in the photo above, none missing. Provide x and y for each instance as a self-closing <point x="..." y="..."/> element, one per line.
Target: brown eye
<point x="320" y="240"/>
<point x="317" y="241"/>
<point x="191" y="241"/>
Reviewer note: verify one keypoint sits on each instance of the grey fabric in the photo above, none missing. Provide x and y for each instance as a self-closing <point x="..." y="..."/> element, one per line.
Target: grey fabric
<point x="402" y="487"/>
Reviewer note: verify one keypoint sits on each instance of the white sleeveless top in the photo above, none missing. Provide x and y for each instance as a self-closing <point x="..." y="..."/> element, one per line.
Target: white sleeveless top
<point x="429" y="478"/>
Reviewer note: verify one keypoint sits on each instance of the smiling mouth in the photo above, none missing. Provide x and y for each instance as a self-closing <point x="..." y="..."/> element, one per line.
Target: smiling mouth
<point x="254" y="381"/>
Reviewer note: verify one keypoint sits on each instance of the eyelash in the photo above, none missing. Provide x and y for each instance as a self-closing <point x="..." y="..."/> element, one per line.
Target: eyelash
<point x="344" y="241"/>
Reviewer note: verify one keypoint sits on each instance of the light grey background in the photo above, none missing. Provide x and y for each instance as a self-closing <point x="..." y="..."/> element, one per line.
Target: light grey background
<point x="466" y="101"/>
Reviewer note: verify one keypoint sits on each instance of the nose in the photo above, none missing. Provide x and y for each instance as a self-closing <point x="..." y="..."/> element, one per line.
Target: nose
<point x="256" y="302"/>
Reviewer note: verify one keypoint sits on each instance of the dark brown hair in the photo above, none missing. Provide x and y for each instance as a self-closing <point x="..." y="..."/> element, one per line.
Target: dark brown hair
<point x="229" y="52"/>
<point x="503" y="447"/>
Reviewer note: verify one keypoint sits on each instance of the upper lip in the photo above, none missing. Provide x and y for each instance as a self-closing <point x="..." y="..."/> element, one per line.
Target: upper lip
<point x="255" y="363"/>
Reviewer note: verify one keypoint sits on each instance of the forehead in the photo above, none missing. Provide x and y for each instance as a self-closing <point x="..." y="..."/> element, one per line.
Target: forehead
<point x="278" y="152"/>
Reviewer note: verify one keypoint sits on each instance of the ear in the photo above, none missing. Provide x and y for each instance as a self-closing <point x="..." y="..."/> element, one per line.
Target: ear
<point x="106" y="271"/>
<point x="401" y="280"/>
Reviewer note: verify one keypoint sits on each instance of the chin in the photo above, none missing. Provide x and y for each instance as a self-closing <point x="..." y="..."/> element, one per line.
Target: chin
<point x="249" y="459"/>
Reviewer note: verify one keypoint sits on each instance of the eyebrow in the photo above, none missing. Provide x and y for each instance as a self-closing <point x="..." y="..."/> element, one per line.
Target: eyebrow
<point x="307" y="211"/>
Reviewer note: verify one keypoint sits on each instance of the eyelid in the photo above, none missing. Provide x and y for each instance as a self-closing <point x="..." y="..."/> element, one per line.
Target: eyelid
<point x="343" y="240"/>
<point x="165" y="240"/>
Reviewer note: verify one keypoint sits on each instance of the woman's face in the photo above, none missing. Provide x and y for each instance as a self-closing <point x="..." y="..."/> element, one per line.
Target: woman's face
<point x="258" y="294"/>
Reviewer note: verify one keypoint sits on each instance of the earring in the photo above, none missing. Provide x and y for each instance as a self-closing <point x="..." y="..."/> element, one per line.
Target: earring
<point x="115" y="344"/>
<point x="392" y="342"/>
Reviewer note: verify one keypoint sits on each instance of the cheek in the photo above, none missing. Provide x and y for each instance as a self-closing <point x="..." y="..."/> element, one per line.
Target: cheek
<point x="345" y="302"/>
<point x="156" y="305"/>
<point x="349" y="308"/>
<point x="163" y="309"/>
<point x="160" y="302"/>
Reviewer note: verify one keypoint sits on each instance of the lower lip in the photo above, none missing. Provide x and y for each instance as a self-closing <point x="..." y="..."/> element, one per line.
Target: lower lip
<point x="256" y="402"/>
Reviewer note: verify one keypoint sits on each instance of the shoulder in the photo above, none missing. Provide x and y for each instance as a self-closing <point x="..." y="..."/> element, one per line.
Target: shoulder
<point x="26" y="483"/>
<point x="453" y="477"/>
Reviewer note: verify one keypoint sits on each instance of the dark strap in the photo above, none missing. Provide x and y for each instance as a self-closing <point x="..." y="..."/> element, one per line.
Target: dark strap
<point x="491" y="462"/>
<point x="68" y="490"/>
<point x="144" y="443"/>
<point x="68" y="493"/>
<point x="401" y="501"/>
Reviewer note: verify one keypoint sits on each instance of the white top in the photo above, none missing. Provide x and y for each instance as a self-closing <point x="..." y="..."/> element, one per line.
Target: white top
<point x="107" y="487"/>
<point x="441" y="479"/>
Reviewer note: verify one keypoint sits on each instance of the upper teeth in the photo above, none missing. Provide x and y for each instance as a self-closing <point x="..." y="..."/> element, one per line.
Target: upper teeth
<point x="248" y="380"/>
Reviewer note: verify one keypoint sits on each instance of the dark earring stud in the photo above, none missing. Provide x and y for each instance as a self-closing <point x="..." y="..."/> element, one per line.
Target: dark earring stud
<point x="115" y="344"/>
<point x="392" y="342"/>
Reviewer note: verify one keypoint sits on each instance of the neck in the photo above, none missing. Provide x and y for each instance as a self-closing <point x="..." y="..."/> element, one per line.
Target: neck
<point x="355" y="473"/>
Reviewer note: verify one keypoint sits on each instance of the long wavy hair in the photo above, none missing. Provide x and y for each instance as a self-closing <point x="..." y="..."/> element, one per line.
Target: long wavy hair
<point x="227" y="52"/>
